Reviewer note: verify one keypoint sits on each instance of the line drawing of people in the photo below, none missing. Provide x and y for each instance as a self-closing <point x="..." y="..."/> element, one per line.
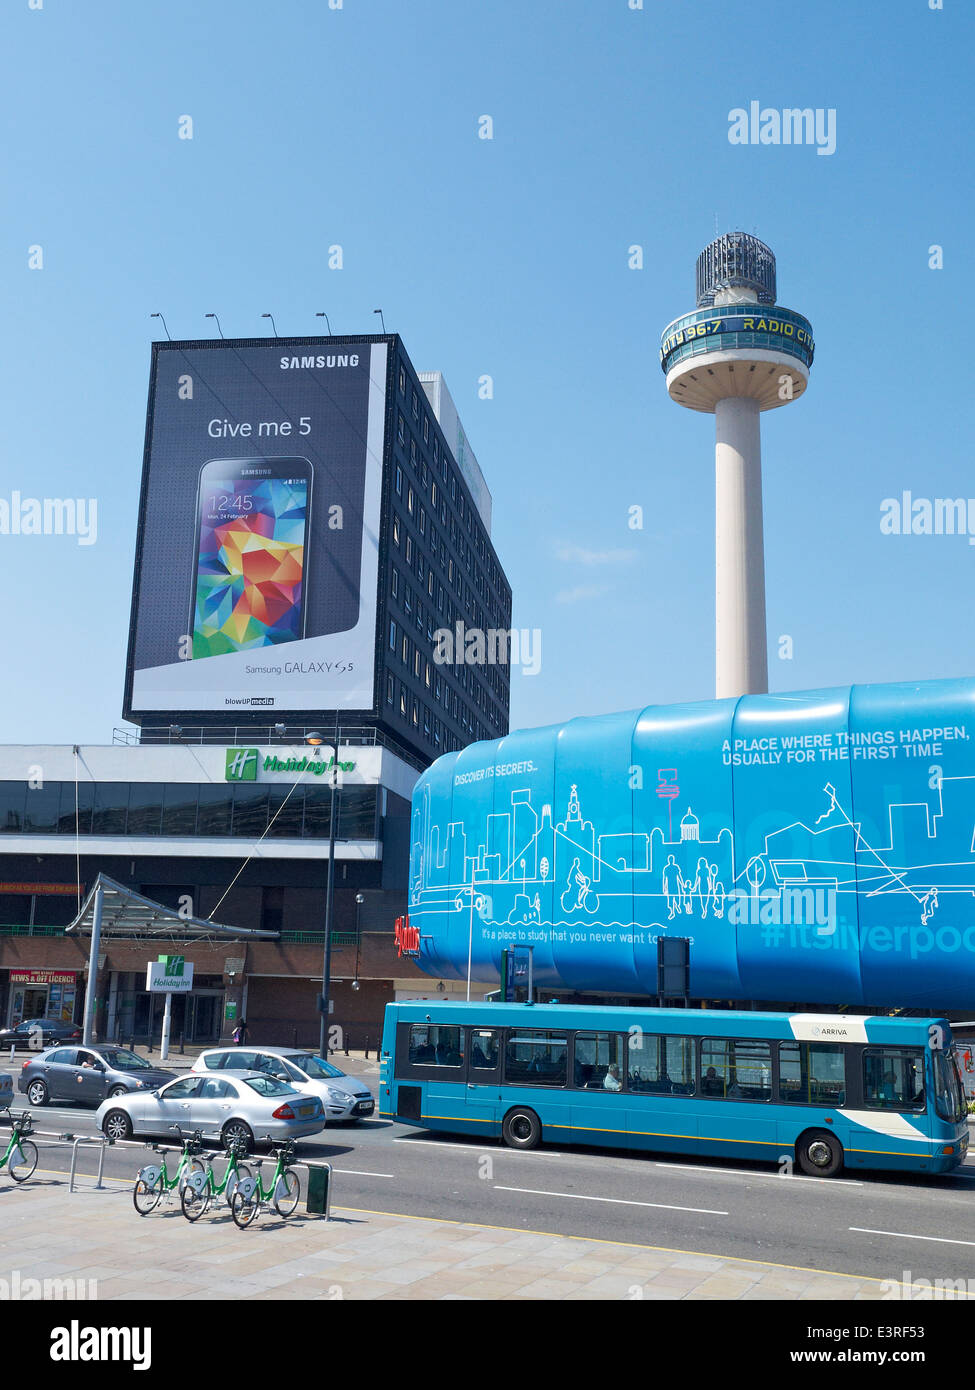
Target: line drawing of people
<point x="704" y="885"/>
<point x="929" y="905"/>
<point x="673" y="886"/>
<point x="578" y="883"/>
<point x="692" y="886"/>
<point x="717" y="892"/>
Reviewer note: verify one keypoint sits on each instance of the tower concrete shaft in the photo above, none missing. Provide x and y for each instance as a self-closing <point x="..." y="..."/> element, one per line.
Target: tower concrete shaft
<point x="737" y="354"/>
<point x="741" y="662"/>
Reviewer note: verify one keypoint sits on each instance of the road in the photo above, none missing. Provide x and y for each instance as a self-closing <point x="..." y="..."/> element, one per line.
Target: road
<point x="880" y="1226"/>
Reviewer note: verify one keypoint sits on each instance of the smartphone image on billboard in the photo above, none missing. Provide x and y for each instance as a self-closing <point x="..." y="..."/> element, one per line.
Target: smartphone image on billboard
<point x="251" y="571"/>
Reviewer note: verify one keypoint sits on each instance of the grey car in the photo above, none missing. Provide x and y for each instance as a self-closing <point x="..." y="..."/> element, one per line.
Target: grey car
<point x="244" y="1106"/>
<point x="87" y="1075"/>
<point x="345" y="1098"/>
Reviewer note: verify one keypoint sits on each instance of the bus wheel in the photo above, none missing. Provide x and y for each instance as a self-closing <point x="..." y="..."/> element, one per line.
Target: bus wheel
<point x="521" y="1129"/>
<point x="820" y="1153"/>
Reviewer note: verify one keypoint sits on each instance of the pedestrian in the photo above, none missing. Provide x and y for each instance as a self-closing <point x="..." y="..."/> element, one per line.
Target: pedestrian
<point x="240" y="1034"/>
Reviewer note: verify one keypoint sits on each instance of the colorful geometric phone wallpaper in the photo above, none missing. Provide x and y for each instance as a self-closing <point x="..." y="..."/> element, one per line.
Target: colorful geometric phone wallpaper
<point x="251" y="565"/>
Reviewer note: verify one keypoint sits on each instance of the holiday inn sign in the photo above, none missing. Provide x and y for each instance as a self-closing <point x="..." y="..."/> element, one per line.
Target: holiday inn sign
<point x="243" y="764"/>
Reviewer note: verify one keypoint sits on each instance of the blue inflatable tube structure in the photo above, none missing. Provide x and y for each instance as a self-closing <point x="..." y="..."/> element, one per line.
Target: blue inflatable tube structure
<point x="815" y="846"/>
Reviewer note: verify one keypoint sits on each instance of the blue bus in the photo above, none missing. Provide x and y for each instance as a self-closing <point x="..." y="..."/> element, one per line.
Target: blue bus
<point x="827" y="1090"/>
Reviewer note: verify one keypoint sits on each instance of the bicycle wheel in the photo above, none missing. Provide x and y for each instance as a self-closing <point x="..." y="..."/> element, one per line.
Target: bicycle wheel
<point x="145" y="1196"/>
<point x="23" y="1160"/>
<point x="287" y="1192"/>
<point x="242" y="1172"/>
<point x="195" y="1204"/>
<point x="244" y="1211"/>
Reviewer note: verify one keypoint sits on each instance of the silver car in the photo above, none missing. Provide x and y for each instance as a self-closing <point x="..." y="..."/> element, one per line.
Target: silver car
<point x="345" y="1098"/>
<point x="236" y="1105"/>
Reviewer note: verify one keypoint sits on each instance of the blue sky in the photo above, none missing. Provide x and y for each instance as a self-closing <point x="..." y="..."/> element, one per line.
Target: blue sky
<point x="507" y="257"/>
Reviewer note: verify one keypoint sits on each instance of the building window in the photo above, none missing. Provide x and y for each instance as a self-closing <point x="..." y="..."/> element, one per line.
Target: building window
<point x="389" y="690"/>
<point x="392" y="635"/>
<point x="409" y="550"/>
<point x="426" y="429"/>
<point x="394" y="581"/>
<point x="409" y="500"/>
<point x="399" y="481"/>
<point x="395" y="529"/>
<point x="416" y="715"/>
<point x="401" y="429"/>
<point x="402" y="380"/>
<point x="416" y="406"/>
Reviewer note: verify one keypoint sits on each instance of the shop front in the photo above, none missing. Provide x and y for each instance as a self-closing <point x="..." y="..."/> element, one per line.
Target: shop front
<point x="41" y="994"/>
<point x="134" y="1013"/>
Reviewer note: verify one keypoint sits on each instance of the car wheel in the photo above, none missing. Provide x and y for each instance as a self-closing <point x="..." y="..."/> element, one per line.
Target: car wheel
<point x="820" y="1154"/>
<point x="521" y="1129"/>
<point x="117" y="1091"/>
<point x="37" y="1093"/>
<point x="117" y="1125"/>
<point x="237" y="1132"/>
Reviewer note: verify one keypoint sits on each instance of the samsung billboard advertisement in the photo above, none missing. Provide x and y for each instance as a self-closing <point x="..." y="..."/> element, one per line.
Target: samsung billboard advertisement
<point x="256" y="567"/>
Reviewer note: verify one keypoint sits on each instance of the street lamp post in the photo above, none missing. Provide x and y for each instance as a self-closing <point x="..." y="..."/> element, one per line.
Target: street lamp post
<point x="359" y="900"/>
<point x="329" y="892"/>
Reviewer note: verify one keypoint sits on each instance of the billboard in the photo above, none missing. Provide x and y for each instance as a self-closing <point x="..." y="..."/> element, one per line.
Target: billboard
<point x="817" y="846"/>
<point x="256" y="564"/>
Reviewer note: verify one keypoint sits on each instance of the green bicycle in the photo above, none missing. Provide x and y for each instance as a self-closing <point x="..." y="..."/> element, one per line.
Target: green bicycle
<point x="199" y="1189"/>
<point x="154" y="1180"/>
<point x="284" y="1190"/>
<point x="21" y="1155"/>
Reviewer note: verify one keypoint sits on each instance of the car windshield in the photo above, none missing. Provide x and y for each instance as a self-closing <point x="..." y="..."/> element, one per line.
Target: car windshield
<point x="314" y="1066"/>
<point x="270" y="1086"/>
<point x="123" y="1060"/>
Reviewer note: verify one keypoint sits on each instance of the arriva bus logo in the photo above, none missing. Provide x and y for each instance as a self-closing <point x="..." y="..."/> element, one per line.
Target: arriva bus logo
<point x="241" y="765"/>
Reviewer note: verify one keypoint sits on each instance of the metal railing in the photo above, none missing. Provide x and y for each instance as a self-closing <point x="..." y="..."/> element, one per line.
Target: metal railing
<point x="267" y="735"/>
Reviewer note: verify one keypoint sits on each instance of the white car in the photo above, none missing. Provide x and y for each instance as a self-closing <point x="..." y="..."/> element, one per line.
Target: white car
<point x="344" y="1097"/>
<point x="237" y="1105"/>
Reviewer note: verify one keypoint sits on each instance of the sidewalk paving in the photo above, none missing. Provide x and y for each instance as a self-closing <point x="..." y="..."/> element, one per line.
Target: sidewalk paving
<point x="47" y="1233"/>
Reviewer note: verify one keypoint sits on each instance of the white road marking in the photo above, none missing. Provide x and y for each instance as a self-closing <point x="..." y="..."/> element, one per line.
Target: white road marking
<point x="359" y="1173"/>
<point x="903" y="1235"/>
<point x="744" y="1173"/>
<point x="616" y="1201"/>
<point x="488" y="1148"/>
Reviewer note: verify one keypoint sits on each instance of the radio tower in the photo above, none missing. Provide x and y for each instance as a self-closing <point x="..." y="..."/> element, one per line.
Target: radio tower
<point x="735" y="356"/>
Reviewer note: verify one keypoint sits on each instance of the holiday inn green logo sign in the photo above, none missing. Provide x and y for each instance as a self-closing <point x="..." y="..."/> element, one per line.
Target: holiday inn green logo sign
<point x="242" y="764"/>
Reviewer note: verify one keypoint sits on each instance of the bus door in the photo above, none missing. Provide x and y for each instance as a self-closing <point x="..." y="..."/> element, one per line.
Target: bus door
<point x="484" y="1078"/>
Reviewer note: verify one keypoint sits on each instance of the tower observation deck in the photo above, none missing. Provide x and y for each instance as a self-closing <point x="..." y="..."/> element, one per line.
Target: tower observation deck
<point x="737" y="354"/>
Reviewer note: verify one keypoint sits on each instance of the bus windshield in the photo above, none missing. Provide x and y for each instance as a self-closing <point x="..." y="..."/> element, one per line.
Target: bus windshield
<point x="948" y="1090"/>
